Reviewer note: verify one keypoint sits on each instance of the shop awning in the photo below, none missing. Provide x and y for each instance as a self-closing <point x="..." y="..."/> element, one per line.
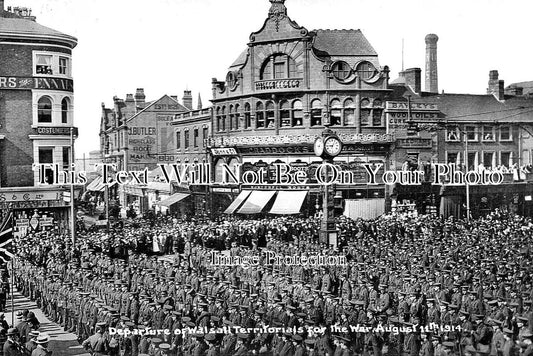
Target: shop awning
<point x="237" y="202"/>
<point x="97" y="185"/>
<point x="288" y="202"/>
<point x="364" y="208"/>
<point x="256" y="201"/>
<point x="162" y="187"/>
<point x="173" y="199"/>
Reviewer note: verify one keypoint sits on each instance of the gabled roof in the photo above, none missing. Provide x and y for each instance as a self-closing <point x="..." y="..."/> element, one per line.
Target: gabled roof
<point x="343" y="43"/>
<point x="241" y="60"/>
<point x="147" y="107"/>
<point x="20" y="28"/>
<point x="527" y="86"/>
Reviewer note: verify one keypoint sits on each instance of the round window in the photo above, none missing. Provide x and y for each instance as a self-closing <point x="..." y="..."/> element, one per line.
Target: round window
<point x="341" y="70"/>
<point x="232" y="80"/>
<point x="366" y="70"/>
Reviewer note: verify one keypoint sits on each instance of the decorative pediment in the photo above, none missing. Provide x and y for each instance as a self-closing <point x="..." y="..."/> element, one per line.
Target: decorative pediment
<point x="278" y="26"/>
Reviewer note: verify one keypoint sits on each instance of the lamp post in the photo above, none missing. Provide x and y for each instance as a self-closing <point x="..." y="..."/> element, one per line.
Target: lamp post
<point x="72" y="208"/>
<point x="467" y="186"/>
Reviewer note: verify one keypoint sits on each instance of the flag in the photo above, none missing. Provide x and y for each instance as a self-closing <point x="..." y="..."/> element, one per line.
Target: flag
<point x="6" y="239"/>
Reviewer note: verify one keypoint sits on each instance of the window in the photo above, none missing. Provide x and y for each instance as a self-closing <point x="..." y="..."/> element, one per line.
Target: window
<point x="270" y="114"/>
<point x="452" y="157"/>
<point x="297" y="113"/>
<point x="488" y="159"/>
<point x="505" y="133"/>
<point x="63" y="66"/>
<point x="472" y="160"/>
<point x="341" y="70"/>
<point x="488" y="133"/>
<point x="237" y="117"/>
<point x="336" y="112"/>
<point x="44" y="110"/>
<point x="178" y="140"/>
<point x="186" y="139"/>
<point x="46" y="156"/>
<point x="285" y="114"/>
<point x="349" y="112"/>
<point x="223" y="118"/>
<point x="66" y="158"/>
<point x="43" y="64"/>
<point x="366" y="112"/>
<point x="279" y="66"/>
<point x="195" y="138"/>
<point x="232" y="81"/>
<point x="260" y="115"/>
<point x="231" y="117"/>
<point x="204" y="135"/>
<point x="505" y="159"/>
<point x="471" y="133"/>
<point x="376" y="117"/>
<point x="452" y="134"/>
<point x="366" y="70"/>
<point x="316" y="113"/>
<point x="65" y="103"/>
<point x="247" y="116"/>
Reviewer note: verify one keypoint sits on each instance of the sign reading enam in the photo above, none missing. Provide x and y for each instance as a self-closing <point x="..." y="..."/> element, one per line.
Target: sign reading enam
<point x="24" y="83"/>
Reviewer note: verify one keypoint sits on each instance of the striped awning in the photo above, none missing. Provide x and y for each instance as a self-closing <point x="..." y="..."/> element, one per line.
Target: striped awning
<point x="173" y="199"/>
<point x="97" y="185"/>
<point x="288" y="202"/>
<point x="256" y="201"/>
<point x="237" y="202"/>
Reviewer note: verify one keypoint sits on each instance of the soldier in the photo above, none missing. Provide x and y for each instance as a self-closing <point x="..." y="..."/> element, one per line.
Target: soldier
<point x="11" y="347"/>
<point x="97" y="344"/>
<point x="42" y="346"/>
<point x="32" y="343"/>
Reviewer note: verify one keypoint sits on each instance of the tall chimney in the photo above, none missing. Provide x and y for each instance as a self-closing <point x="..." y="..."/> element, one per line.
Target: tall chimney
<point x="432" y="77"/>
<point x="1" y="8"/>
<point x="187" y="99"/>
<point x="496" y="86"/>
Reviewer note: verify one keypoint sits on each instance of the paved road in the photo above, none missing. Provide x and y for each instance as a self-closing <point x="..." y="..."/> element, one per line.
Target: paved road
<point x="62" y="343"/>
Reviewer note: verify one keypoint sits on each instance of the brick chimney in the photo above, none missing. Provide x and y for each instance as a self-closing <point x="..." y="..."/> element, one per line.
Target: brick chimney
<point x="412" y="77"/>
<point x="496" y="86"/>
<point x="1" y="8"/>
<point x="139" y="97"/>
<point x="432" y="78"/>
<point x="187" y="99"/>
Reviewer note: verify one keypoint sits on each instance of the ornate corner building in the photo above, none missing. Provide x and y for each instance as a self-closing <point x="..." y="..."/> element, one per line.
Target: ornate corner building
<point x="283" y="90"/>
<point x="36" y="118"/>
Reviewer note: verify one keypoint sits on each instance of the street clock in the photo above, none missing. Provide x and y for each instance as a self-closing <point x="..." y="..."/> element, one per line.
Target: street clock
<point x="328" y="145"/>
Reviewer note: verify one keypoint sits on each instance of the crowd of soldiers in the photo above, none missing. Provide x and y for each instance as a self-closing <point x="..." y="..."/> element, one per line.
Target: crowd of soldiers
<point x="411" y="286"/>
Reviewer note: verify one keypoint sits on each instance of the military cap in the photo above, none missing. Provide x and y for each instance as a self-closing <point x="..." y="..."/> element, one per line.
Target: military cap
<point x="129" y="324"/>
<point x="156" y="341"/>
<point x="164" y="346"/>
<point x="527" y="334"/>
<point x="168" y="307"/>
<point x="210" y="337"/>
<point x="297" y="338"/>
<point x="448" y="344"/>
<point x="12" y="331"/>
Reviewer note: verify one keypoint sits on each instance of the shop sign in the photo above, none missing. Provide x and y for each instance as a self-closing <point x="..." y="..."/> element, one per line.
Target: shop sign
<point x="30" y="196"/>
<point x="64" y="131"/>
<point x="278" y="84"/>
<point x="23" y="223"/>
<point x="230" y="151"/>
<point x="28" y="83"/>
<point x="46" y="221"/>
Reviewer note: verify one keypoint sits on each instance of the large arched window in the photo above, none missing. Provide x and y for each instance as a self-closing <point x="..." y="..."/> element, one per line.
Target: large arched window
<point x="219" y="124"/>
<point x="279" y="66"/>
<point x="223" y="118"/>
<point x="231" y="117"/>
<point x="65" y="104"/>
<point x="44" y="109"/>
<point x="285" y="114"/>
<point x="316" y="112"/>
<point x="237" y="117"/>
<point x="297" y="113"/>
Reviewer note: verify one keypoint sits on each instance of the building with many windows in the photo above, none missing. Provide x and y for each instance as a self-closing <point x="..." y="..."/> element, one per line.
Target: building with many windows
<point x="281" y="92"/>
<point x="36" y="119"/>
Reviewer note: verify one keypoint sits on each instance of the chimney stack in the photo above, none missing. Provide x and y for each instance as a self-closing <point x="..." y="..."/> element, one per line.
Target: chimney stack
<point x="432" y="78"/>
<point x="139" y="96"/>
<point x="187" y="99"/>
<point x="1" y="8"/>
<point x="496" y="86"/>
<point x="413" y="78"/>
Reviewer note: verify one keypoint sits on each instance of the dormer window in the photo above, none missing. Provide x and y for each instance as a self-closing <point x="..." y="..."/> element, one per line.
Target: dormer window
<point x="279" y="66"/>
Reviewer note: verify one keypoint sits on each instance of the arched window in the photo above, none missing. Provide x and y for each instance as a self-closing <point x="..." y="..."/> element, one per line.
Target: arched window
<point x="223" y="118"/>
<point x="336" y="112"/>
<point x="44" y="109"/>
<point x="297" y="113"/>
<point x="377" y="113"/>
<point x="259" y="115"/>
<point x="247" y="116"/>
<point x="237" y="117"/>
<point x="341" y="70"/>
<point x="349" y="112"/>
<point x="316" y="112"/>
<point x="231" y="117"/>
<point x="366" y="70"/>
<point x="285" y="114"/>
<point x="219" y="124"/>
<point x="366" y="112"/>
<point x="270" y="114"/>
<point x="65" y="104"/>
<point x="278" y="66"/>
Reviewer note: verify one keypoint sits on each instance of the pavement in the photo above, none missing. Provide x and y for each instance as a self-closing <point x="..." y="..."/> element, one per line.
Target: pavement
<point x="62" y="343"/>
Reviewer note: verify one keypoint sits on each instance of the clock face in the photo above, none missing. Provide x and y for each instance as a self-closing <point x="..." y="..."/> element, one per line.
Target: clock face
<point x="333" y="146"/>
<point x="319" y="146"/>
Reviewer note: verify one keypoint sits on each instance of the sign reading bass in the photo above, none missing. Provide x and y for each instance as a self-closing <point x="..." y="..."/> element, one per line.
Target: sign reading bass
<point x="36" y="83"/>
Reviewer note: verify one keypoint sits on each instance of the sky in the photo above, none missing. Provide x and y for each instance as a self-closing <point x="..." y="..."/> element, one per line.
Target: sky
<point x="167" y="46"/>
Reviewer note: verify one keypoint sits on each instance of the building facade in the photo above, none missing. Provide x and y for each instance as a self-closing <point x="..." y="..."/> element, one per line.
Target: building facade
<point x="284" y="90"/>
<point x="36" y="119"/>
